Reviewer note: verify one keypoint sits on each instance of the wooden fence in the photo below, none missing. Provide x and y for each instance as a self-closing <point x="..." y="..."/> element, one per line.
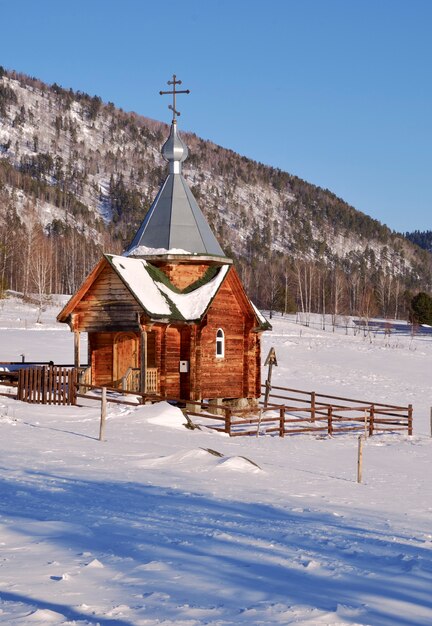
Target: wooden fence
<point x="300" y="412"/>
<point x="47" y="385"/>
<point x="305" y="412"/>
<point x="399" y="417"/>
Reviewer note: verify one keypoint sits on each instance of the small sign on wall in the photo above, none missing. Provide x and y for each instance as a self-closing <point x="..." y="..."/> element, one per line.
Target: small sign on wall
<point x="184" y="367"/>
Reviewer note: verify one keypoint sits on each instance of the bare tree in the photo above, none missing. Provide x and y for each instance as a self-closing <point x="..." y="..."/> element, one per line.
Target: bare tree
<point x="40" y="263"/>
<point x="305" y="275"/>
<point x="337" y="294"/>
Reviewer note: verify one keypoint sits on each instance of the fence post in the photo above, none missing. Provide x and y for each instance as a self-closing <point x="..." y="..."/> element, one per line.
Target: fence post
<point x="282" y="421"/>
<point x="312" y="406"/>
<point x="259" y="422"/>
<point x="267" y="392"/>
<point x="410" y="419"/>
<point x="44" y="385"/>
<point x="103" y="414"/>
<point x="26" y="385"/>
<point x="330" y="420"/>
<point x="360" y="459"/>
<point x="270" y="361"/>
<point x="228" y="421"/>
<point x="73" y="381"/>
<point x="371" y="420"/>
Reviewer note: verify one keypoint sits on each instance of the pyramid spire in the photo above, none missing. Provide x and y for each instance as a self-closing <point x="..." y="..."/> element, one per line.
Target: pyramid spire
<point x="174" y="223"/>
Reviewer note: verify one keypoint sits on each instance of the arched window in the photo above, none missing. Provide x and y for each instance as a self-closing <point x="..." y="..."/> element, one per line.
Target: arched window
<point x="220" y="343"/>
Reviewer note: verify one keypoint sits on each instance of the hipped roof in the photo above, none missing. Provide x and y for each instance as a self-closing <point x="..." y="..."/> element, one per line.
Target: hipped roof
<point x="174" y="220"/>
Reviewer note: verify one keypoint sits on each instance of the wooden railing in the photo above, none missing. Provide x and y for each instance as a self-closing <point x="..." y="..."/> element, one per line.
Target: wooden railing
<point x="304" y="412"/>
<point x="132" y="379"/>
<point x="301" y="412"/>
<point x="314" y="400"/>
<point x="84" y="377"/>
<point x="295" y="420"/>
<point x="152" y="380"/>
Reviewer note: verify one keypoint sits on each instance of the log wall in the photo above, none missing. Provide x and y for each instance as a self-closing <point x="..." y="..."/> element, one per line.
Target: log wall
<point x="108" y="304"/>
<point x="234" y="375"/>
<point x="183" y="275"/>
<point x="107" y="307"/>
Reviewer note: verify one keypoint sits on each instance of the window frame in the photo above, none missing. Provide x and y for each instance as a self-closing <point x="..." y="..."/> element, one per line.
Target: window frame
<point x="220" y="344"/>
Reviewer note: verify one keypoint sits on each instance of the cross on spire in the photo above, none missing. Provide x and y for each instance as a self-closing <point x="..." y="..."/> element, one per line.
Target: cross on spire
<point x="174" y="93"/>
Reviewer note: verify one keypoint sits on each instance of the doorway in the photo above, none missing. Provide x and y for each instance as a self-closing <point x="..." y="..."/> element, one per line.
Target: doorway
<point x="126" y="354"/>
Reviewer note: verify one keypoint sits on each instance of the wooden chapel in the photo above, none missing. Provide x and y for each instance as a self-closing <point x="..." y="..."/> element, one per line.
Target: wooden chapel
<point x="170" y="316"/>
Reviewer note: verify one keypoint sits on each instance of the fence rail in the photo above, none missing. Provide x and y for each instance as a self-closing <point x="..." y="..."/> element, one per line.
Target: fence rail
<point x="301" y="412"/>
<point x="308" y="413"/>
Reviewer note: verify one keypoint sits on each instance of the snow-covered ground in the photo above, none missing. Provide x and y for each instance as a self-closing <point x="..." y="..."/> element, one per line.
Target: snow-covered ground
<point x="149" y="528"/>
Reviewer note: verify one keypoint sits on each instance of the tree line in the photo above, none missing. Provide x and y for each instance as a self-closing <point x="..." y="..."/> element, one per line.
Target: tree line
<point x="277" y="227"/>
<point x="289" y="285"/>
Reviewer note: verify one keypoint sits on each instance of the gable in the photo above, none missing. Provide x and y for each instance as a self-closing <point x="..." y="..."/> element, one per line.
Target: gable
<point x="232" y="299"/>
<point x="121" y="286"/>
<point x="107" y="305"/>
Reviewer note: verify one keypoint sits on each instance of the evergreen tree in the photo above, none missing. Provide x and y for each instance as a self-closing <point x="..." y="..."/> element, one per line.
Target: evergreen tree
<point x="421" y="306"/>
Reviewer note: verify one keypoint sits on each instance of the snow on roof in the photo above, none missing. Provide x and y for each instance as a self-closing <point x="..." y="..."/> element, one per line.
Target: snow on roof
<point x="193" y="305"/>
<point x="134" y="273"/>
<point x="264" y="323"/>
<point x="146" y="251"/>
<point x="158" y="297"/>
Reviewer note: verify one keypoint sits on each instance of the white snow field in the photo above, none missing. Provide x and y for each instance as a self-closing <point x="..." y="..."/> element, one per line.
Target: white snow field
<point x="148" y="528"/>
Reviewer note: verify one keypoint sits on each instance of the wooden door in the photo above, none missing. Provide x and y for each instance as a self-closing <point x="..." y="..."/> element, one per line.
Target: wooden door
<point x="126" y="353"/>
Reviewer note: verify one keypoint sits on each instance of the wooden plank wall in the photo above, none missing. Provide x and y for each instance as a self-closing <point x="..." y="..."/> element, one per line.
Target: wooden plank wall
<point x="223" y="377"/>
<point x="172" y="361"/>
<point x="183" y="275"/>
<point x="108" y="304"/>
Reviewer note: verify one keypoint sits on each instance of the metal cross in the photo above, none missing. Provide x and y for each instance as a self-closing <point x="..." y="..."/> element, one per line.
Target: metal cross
<point x="174" y="93"/>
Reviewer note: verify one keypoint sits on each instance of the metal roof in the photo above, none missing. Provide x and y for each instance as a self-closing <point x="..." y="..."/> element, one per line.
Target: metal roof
<point x="175" y="221"/>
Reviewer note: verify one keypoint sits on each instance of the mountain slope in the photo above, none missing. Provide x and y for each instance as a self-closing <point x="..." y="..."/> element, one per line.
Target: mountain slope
<point x="421" y="238"/>
<point x="79" y="170"/>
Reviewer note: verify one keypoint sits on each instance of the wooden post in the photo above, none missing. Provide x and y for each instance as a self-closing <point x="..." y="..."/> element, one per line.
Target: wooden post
<point x="77" y="348"/>
<point x="259" y="422"/>
<point x="410" y="420"/>
<point x="73" y="381"/>
<point x="282" y="421"/>
<point x="143" y="361"/>
<point x="267" y="388"/>
<point x="103" y="414"/>
<point x="371" y="420"/>
<point x="329" y="420"/>
<point x="20" y="387"/>
<point x="44" y="385"/>
<point x="270" y="361"/>
<point x="312" y="406"/>
<point x="360" y="459"/>
<point x="228" y="421"/>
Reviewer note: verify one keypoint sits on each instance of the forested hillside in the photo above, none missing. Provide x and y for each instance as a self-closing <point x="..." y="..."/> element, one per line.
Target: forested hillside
<point x="422" y="238"/>
<point x="77" y="176"/>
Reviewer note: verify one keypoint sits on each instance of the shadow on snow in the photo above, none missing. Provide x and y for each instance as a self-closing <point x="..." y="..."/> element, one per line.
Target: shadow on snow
<point x="214" y="552"/>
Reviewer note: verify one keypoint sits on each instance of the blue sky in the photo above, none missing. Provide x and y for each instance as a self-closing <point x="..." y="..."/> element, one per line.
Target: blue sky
<point x="338" y="92"/>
